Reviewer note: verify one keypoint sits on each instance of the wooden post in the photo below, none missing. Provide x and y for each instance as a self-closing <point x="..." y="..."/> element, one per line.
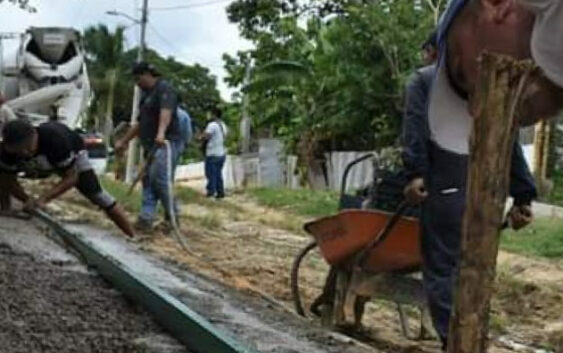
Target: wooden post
<point x="501" y="81"/>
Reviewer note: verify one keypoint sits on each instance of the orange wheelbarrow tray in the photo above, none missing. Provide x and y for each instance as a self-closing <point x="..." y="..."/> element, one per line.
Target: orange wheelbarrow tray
<point x="378" y="240"/>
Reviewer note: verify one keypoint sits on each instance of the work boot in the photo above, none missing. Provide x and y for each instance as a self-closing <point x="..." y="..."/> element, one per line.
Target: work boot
<point x="143" y="226"/>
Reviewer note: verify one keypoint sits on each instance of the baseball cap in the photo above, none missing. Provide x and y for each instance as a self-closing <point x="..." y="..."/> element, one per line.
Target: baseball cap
<point x="142" y="67"/>
<point x="448" y="114"/>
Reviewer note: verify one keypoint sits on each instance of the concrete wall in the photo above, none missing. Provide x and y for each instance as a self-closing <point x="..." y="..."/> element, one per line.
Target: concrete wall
<point x="273" y="169"/>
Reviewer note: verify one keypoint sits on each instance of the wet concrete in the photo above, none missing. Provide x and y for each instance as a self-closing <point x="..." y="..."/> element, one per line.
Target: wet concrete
<point x="252" y="321"/>
<point x="50" y="302"/>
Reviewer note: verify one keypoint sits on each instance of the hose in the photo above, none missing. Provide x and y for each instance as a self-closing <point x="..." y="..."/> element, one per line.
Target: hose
<point x="295" y="277"/>
<point x="171" y="206"/>
<point x="184" y="245"/>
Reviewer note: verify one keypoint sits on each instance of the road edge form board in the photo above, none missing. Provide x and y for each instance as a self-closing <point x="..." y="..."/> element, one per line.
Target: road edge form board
<point x="188" y="327"/>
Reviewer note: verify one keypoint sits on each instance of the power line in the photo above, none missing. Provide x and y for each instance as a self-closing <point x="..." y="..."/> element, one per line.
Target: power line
<point x="172" y="46"/>
<point x="164" y="39"/>
<point x="191" y="6"/>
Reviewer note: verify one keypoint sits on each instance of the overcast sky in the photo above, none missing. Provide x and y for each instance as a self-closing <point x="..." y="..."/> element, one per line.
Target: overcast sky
<point x="194" y="31"/>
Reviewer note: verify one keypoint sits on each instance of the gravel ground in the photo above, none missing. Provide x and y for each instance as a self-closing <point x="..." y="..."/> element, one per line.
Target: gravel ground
<point x="47" y="306"/>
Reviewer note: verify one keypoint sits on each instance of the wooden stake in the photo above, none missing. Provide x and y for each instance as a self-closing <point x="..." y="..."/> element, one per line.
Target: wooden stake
<point x="501" y="82"/>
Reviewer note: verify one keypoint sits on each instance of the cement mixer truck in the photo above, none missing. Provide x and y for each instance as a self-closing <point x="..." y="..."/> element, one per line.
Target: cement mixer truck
<point x="43" y="76"/>
<point x="46" y="77"/>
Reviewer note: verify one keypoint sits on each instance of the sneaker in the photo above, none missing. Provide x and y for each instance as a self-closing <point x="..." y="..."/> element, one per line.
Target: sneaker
<point x="143" y="226"/>
<point x="221" y="196"/>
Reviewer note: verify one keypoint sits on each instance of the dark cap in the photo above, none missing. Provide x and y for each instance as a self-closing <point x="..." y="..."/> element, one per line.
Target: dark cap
<point x="17" y="132"/>
<point x="143" y="67"/>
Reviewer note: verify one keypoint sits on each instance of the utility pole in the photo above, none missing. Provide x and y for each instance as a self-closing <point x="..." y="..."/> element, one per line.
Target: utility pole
<point x="245" y="121"/>
<point x="131" y="151"/>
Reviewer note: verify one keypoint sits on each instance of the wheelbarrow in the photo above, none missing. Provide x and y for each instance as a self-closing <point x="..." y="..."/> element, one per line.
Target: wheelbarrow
<point x="372" y="254"/>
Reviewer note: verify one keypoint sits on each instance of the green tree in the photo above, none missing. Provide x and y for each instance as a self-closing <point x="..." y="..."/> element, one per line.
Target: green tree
<point x="195" y="85"/>
<point x="109" y="69"/>
<point x="329" y="75"/>
<point x="105" y="56"/>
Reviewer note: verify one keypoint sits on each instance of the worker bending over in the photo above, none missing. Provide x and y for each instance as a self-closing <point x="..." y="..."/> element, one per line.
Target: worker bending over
<point x="52" y="148"/>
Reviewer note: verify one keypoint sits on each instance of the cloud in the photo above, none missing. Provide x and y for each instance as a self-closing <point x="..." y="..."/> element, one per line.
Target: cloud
<point x="196" y="35"/>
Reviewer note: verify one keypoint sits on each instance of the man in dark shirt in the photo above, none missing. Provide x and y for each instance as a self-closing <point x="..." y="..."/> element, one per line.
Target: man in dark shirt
<point x="159" y="132"/>
<point x="52" y="148"/>
<point x="437" y="180"/>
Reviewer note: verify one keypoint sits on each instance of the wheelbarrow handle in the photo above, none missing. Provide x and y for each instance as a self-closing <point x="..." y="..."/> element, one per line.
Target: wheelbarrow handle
<point x="348" y="169"/>
<point x="381" y="236"/>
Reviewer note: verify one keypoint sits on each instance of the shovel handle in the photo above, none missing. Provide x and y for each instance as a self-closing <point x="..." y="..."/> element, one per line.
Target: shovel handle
<point x="143" y="170"/>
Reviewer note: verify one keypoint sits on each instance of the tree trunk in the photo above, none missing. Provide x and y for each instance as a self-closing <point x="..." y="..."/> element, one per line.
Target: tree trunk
<point x="495" y="127"/>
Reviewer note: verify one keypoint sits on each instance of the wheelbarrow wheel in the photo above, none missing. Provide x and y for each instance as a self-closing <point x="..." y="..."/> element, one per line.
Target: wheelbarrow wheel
<point x="295" y="277"/>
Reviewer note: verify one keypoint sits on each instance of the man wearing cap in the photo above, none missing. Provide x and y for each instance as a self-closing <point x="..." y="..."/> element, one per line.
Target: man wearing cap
<point x="521" y="29"/>
<point x="158" y="123"/>
<point x="52" y="148"/>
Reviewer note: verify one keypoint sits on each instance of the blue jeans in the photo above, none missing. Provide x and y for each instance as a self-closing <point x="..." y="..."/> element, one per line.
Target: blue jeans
<point x="156" y="183"/>
<point x="214" y="175"/>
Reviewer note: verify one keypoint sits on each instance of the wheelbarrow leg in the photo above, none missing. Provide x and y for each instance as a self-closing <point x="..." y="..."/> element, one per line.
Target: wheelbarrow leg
<point x="355" y="302"/>
<point x="326" y="299"/>
<point x="341" y="293"/>
<point x="425" y="323"/>
<point x="403" y="319"/>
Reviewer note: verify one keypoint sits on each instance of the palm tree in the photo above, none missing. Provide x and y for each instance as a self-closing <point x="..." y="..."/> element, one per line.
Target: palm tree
<point x="105" y="53"/>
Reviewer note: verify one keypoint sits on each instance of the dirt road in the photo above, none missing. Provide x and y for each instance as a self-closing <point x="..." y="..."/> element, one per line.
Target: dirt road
<point x="252" y="248"/>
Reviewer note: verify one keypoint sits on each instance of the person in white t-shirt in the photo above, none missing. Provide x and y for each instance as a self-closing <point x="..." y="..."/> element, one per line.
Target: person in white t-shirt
<point x="215" y="135"/>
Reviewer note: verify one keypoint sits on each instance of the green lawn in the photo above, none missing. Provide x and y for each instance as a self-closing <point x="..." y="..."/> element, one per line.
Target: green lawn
<point x="310" y="203"/>
<point x="556" y="195"/>
<point x="132" y="202"/>
<point x="544" y="237"/>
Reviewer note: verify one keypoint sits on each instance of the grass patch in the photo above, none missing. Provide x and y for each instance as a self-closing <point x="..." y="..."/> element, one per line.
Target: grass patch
<point x="544" y="237"/>
<point x="210" y="221"/>
<point x="312" y="203"/>
<point x="185" y="195"/>
<point x="131" y="202"/>
<point x="556" y="195"/>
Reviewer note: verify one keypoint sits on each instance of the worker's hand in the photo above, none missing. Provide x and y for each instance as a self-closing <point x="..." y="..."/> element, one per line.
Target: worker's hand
<point x="119" y="147"/>
<point x="33" y="204"/>
<point x="415" y="192"/>
<point x="160" y="140"/>
<point x="520" y="216"/>
<point x="202" y="136"/>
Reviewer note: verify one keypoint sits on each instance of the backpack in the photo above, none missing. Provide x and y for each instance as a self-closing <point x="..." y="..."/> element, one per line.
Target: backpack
<point x="185" y="124"/>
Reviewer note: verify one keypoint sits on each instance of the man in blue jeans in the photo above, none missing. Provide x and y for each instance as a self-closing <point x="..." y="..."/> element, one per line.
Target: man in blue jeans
<point x="161" y="138"/>
<point x="215" y="154"/>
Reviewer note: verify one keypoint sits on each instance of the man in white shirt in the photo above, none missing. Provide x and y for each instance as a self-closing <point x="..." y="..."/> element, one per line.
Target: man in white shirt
<point x="519" y="28"/>
<point x="215" y="154"/>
